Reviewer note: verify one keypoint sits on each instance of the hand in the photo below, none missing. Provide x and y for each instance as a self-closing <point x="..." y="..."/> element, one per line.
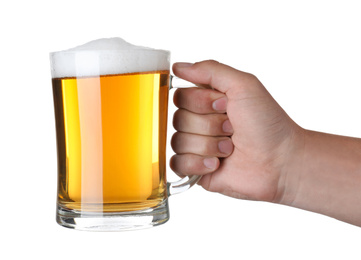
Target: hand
<point x="232" y="132"/>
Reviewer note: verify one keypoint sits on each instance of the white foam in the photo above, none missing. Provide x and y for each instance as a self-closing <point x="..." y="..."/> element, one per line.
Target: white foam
<point x="106" y="57"/>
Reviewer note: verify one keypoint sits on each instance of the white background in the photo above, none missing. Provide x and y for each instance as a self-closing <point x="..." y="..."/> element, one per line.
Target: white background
<point x="306" y="53"/>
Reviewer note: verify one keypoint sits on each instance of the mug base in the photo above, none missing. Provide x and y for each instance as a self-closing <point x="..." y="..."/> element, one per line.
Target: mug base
<point x="113" y="221"/>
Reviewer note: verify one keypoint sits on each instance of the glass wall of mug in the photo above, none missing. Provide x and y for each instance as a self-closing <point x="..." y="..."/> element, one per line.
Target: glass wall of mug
<point x="111" y="124"/>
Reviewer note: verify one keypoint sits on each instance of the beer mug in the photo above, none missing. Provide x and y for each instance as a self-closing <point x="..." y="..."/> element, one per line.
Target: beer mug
<point x="111" y="102"/>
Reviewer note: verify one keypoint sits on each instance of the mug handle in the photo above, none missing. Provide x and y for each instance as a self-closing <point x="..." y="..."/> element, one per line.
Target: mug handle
<point x="187" y="182"/>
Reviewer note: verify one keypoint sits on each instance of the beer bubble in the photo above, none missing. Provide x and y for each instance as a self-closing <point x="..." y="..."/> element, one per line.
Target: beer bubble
<point x="107" y="56"/>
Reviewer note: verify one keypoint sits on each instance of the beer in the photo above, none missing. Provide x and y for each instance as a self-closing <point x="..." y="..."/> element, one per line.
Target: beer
<point x="111" y="139"/>
<point x="111" y="100"/>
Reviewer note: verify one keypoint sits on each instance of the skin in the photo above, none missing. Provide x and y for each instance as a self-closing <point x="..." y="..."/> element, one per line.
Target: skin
<point x="244" y="145"/>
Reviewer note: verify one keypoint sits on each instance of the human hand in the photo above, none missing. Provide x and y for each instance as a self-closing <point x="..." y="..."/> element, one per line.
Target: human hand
<point x="232" y="132"/>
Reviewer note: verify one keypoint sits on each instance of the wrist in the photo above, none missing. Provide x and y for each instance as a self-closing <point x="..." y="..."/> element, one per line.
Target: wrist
<point x="323" y="175"/>
<point x="292" y="167"/>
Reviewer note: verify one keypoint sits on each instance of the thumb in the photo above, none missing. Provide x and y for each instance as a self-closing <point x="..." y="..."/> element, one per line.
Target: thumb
<point x="217" y="75"/>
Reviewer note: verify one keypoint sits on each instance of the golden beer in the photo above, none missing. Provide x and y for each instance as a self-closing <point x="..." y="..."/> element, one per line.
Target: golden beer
<point x="111" y="139"/>
<point x="111" y="100"/>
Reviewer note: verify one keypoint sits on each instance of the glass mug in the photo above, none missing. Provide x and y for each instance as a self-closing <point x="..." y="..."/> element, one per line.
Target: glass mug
<point x="111" y="123"/>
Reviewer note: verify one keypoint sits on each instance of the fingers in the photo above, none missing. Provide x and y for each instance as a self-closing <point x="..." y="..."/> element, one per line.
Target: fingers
<point x="199" y="146"/>
<point x="201" y="101"/>
<point x="202" y="112"/>
<point x="191" y="164"/>
<point x="210" y="124"/>
<point x="202" y="120"/>
<point x="206" y="146"/>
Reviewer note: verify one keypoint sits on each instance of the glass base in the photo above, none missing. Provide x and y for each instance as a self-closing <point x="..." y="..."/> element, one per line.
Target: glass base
<point x="113" y="221"/>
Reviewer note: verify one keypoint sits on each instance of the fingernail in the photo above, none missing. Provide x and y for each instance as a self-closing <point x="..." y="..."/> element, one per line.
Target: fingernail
<point x="220" y="104"/>
<point x="225" y="146"/>
<point x="183" y="64"/>
<point x="227" y="127"/>
<point x="210" y="163"/>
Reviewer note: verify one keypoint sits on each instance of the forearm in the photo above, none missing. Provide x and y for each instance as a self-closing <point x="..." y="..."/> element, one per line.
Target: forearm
<point x="326" y="177"/>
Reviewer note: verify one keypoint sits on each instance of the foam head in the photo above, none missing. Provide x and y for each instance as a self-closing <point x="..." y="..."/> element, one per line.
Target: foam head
<point x="107" y="57"/>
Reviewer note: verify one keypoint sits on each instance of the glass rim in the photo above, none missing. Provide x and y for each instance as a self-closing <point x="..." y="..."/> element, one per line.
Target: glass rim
<point x="102" y="51"/>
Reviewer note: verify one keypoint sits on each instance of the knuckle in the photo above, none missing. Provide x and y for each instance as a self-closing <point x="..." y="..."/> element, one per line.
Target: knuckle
<point x="213" y="125"/>
<point x="210" y="62"/>
<point x="178" y="119"/>
<point x="175" y="142"/>
<point x="177" y="97"/>
<point x="252" y="79"/>
<point x="188" y="165"/>
<point x="208" y="126"/>
<point x="173" y="163"/>
<point x="209" y="148"/>
<point x="199" y="102"/>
